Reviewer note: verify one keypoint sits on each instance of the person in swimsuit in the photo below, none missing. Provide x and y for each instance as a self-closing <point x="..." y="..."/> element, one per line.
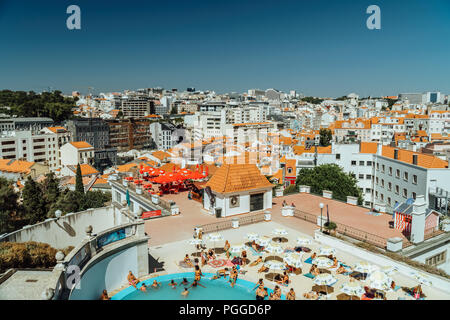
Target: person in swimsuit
<point x="185" y="292"/>
<point x="188" y="261"/>
<point x="211" y="254"/>
<point x="104" y="295"/>
<point x="233" y="276"/>
<point x="260" y="283"/>
<point x="220" y="273"/>
<point x="257" y="261"/>
<point x="198" y="273"/>
<point x="312" y="295"/>
<point x="277" y="292"/>
<point x="314" y="270"/>
<point x="261" y="294"/>
<point x="313" y="256"/>
<point x="204" y="257"/>
<point x="226" y="248"/>
<point x="263" y="269"/>
<point x="244" y="258"/>
<point x="291" y="294"/>
<point x="143" y="288"/>
<point x="335" y="263"/>
<point x="284" y="280"/>
<point x="341" y="270"/>
<point x="173" y="284"/>
<point x="184" y="282"/>
<point x="132" y="280"/>
<point x="156" y="284"/>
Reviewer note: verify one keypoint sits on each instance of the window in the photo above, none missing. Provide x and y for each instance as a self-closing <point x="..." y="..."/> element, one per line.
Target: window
<point x="414" y="179"/>
<point x="397" y="189"/>
<point x="368" y="176"/>
<point x="361" y="163"/>
<point x="338" y="156"/>
<point x="353" y="163"/>
<point x="378" y="166"/>
<point x="382" y="183"/>
<point x="437" y="259"/>
<point x="361" y="176"/>
<point x="369" y="163"/>
<point x="289" y="170"/>
<point x="405" y="193"/>
<point x="368" y="190"/>
<point x="377" y="180"/>
<point x="405" y="176"/>
<point x="414" y="195"/>
<point x="390" y="171"/>
<point x="382" y="196"/>
<point x="389" y="200"/>
<point x="382" y="168"/>
<point x="397" y="173"/>
<point x="389" y="186"/>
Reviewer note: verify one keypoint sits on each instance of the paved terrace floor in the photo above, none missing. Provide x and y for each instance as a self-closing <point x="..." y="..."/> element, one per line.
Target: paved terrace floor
<point x="26" y="285"/>
<point x="173" y="228"/>
<point x="172" y="252"/>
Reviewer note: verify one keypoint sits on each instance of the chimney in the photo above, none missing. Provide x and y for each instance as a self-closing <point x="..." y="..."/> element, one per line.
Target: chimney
<point x="418" y="219"/>
<point x="396" y="154"/>
<point x="414" y="159"/>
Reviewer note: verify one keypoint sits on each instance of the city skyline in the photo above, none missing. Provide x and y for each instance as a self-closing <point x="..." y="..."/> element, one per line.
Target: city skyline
<point x="227" y="47"/>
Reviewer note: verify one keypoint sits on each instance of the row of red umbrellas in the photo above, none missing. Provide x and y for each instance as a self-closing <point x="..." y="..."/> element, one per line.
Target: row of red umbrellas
<point x="177" y="175"/>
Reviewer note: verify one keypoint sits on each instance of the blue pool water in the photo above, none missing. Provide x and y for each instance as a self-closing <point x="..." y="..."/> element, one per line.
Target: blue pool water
<point x="219" y="289"/>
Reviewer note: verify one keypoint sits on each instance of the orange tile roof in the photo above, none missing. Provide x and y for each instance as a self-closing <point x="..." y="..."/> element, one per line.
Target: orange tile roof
<point x="126" y="167"/>
<point x="15" y="166"/>
<point x="161" y="155"/>
<point x="237" y="177"/>
<point x="423" y="160"/>
<point x="168" y="167"/>
<point x="56" y="129"/>
<point x="87" y="169"/>
<point x="81" y="145"/>
<point x="368" y="147"/>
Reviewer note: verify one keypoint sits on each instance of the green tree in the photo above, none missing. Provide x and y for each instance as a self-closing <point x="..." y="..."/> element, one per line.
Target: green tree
<point x="33" y="201"/>
<point x="79" y="187"/>
<point x="68" y="201"/>
<point x="94" y="199"/>
<point x="325" y="137"/>
<point x="330" y="177"/>
<point x="51" y="192"/>
<point x="8" y="205"/>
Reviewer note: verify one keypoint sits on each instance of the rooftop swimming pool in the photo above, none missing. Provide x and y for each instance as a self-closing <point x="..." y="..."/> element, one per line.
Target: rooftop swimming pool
<point x="219" y="289"/>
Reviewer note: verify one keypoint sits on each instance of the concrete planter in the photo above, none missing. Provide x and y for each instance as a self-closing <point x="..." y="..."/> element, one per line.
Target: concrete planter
<point x="235" y="223"/>
<point x="305" y="189"/>
<point x="394" y="244"/>
<point x="155" y="199"/>
<point x="278" y="193"/>
<point x="352" y="200"/>
<point x="175" y="210"/>
<point x="287" y="211"/>
<point x="267" y="216"/>
<point x="139" y="190"/>
<point x="327" y="194"/>
<point x="446" y="225"/>
<point x="125" y="183"/>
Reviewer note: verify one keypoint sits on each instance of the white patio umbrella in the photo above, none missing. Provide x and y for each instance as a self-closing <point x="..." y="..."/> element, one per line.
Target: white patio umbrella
<point x="237" y="248"/>
<point x="273" y="248"/>
<point x="279" y="232"/>
<point x="324" y="279"/>
<point x="252" y="236"/>
<point x="365" y="267"/>
<point x="274" y="265"/>
<point x="422" y="278"/>
<point x="303" y="241"/>
<point x="196" y="241"/>
<point x="379" y="280"/>
<point x="293" y="259"/>
<point x="263" y="241"/>
<point x="215" y="237"/>
<point x="326" y="251"/>
<point x="322" y="262"/>
<point x="352" y="289"/>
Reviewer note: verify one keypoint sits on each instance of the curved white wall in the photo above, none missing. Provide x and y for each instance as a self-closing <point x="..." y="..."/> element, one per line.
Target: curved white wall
<point x="110" y="273"/>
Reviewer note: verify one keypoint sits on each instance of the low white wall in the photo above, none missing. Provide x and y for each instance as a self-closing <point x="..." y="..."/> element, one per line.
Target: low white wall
<point x="438" y="282"/>
<point x="69" y="230"/>
<point x="109" y="273"/>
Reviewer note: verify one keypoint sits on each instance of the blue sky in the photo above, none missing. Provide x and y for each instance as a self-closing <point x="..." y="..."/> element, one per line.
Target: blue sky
<point x="318" y="47"/>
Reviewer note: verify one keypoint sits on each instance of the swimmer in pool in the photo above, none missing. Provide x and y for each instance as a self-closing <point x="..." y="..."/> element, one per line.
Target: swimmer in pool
<point x="173" y="284"/>
<point x="184" y="282"/>
<point x="196" y="283"/>
<point x="156" y="284"/>
<point x="260" y="292"/>
<point x="185" y="292"/>
<point x="291" y="295"/>
<point x="104" y="295"/>
<point x="143" y="288"/>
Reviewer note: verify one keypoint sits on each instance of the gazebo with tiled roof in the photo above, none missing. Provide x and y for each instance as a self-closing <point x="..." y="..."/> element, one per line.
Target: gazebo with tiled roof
<point x="237" y="189"/>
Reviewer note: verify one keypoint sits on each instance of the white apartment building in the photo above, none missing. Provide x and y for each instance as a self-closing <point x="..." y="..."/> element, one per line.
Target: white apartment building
<point x="73" y="153"/>
<point x="439" y="121"/>
<point x="31" y="147"/>
<point x="162" y="135"/>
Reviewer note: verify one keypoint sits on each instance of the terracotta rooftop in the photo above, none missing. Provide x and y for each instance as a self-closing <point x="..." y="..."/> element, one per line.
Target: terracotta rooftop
<point x="423" y="160"/>
<point x="126" y="167"/>
<point x="81" y="145"/>
<point x="237" y="177"/>
<point x="368" y="147"/>
<point x="86" y="169"/>
<point x="161" y="155"/>
<point x="17" y="166"/>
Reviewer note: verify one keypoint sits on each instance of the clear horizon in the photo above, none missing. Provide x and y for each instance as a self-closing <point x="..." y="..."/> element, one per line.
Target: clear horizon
<point x="321" y="49"/>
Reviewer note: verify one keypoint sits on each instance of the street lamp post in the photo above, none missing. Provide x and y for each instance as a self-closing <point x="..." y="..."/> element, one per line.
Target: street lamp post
<point x="321" y="209"/>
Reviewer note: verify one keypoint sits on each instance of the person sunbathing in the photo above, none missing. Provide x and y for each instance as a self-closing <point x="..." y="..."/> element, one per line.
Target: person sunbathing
<point x="132" y="280"/>
<point x="256" y="246"/>
<point x="220" y="273"/>
<point x="284" y="280"/>
<point x="341" y="270"/>
<point x="335" y="263"/>
<point x="312" y="295"/>
<point x="263" y="269"/>
<point x="211" y="254"/>
<point x="313" y="256"/>
<point x="393" y="285"/>
<point x="188" y="261"/>
<point x="291" y="294"/>
<point x="314" y="270"/>
<point x="257" y="261"/>
<point x="244" y="257"/>
<point x="104" y="295"/>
